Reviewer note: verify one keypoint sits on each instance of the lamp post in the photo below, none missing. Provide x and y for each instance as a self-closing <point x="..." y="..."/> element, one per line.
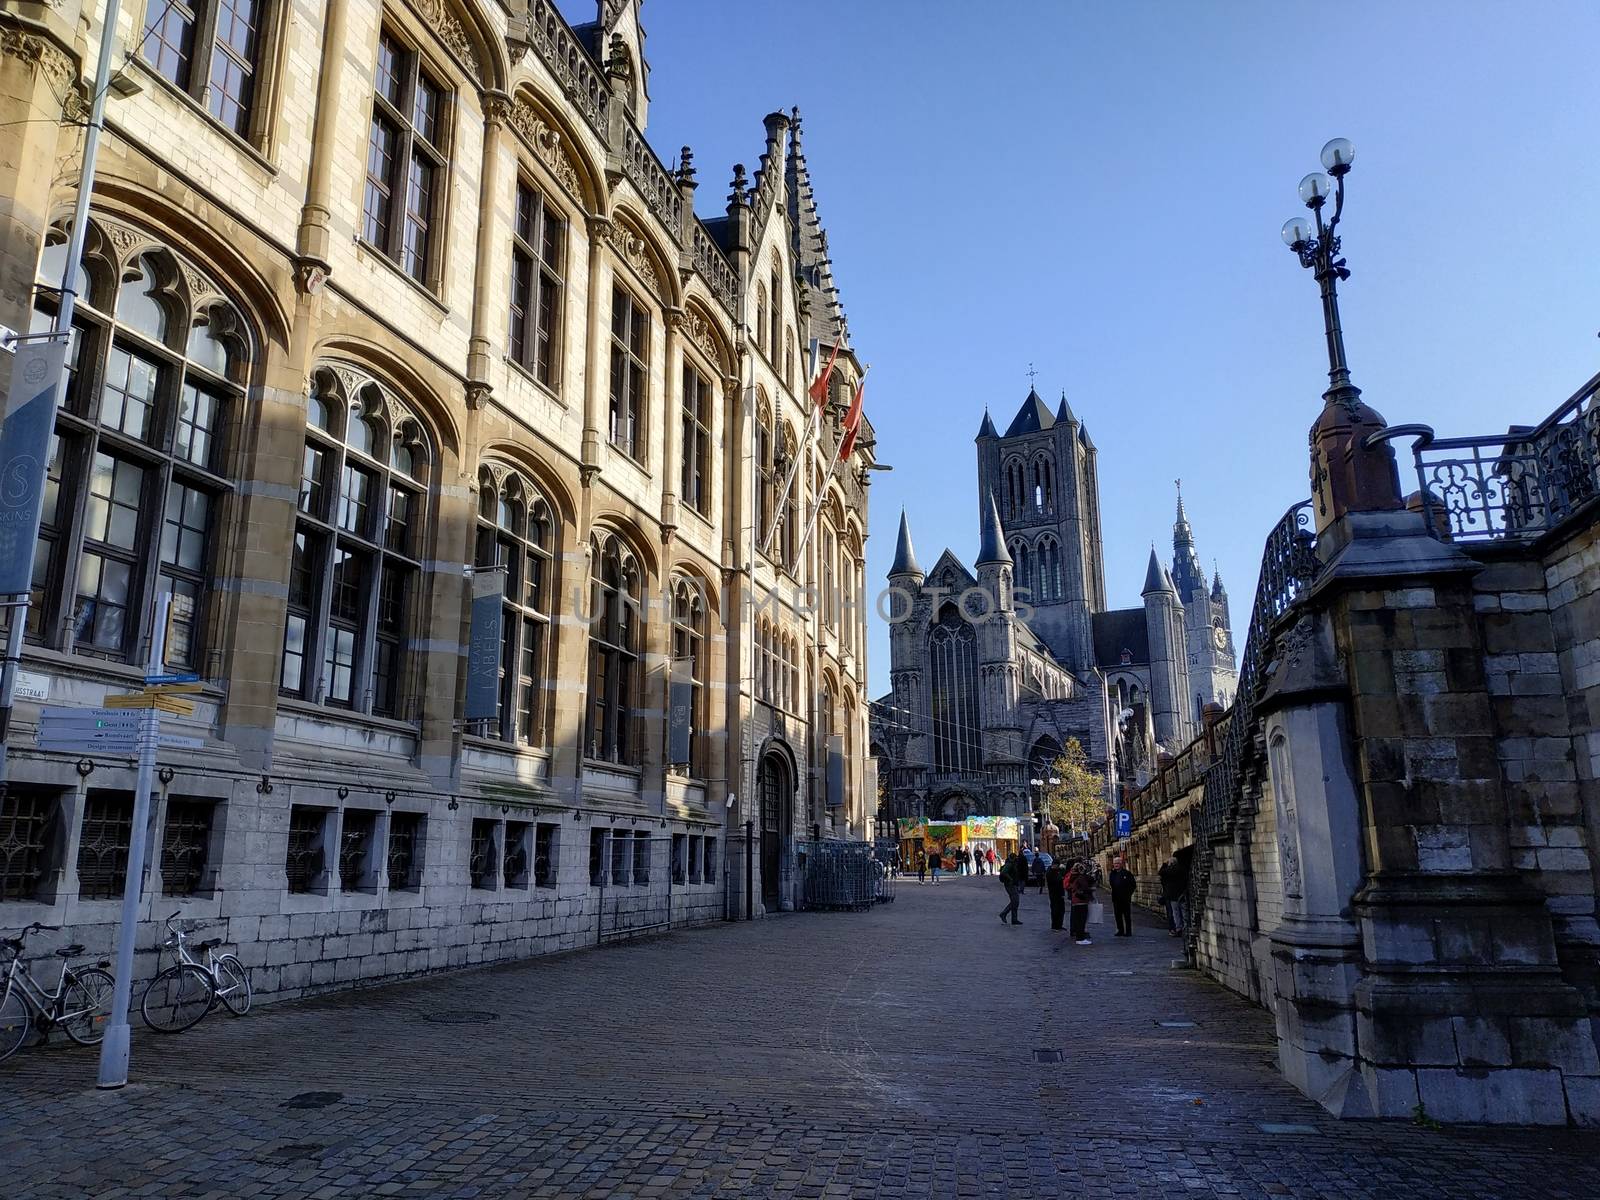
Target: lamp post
<point x="1347" y="473"/>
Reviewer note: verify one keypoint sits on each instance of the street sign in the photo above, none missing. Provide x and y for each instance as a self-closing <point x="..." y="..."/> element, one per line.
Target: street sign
<point x="177" y="705"/>
<point x="1124" y="823"/>
<point x="178" y="677"/>
<point x="179" y="741"/>
<point x="79" y="730"/>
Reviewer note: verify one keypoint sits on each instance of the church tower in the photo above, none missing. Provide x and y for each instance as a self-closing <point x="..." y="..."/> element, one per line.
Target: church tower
<point x="1041" y="477"/>
<point x="1169" y="666"/>
<point x="1208" y="638"/>
<point x="1000" y="678"/>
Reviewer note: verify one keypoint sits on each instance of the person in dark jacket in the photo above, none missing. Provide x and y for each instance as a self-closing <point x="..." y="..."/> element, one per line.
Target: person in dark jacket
<point x="1123" y="885"/>
<point x="1014" y="874"/>
<point x="1055" y="881"/>
<point x="1174" y="892"/>
<point x="935" y="863"/>
<point x="1080" y="890"/>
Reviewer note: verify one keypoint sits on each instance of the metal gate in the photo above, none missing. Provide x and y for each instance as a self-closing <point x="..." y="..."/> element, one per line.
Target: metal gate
<point x="634" y="874"/>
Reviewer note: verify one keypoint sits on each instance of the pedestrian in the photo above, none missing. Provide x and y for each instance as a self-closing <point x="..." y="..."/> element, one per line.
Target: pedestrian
<point x="1174" y="891"/>
<point x="1056" y="881"/>
<point x="1013" y="874"/>
<point x="988" y="858"/>
<point x="1080" y="890"/>
<point x="935" y="861"/>
<point x="1041" y="863"/>
<point x="922" y="867"/>
<point x="1123" y="885"/>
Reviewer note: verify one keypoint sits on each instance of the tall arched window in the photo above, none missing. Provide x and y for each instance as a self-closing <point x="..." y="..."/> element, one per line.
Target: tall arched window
<point x="1044" y="484"/>
<point x="830" y="578"/>
<point x="358" y="550"/>
<point x="953" y="656"/>
<point x="761" y="315"/>
<point x="614" y="640"/>
<point x="1049" y="569"/>
<point x="783" y="545"/>
<point x="689" y="656"/>
<point x="776" y="333"/>
<point x="516" y="531"/>
<point x="140" y="458"/>
<point x="1023" y="559"/>
<point x="698" y="399"/>
<point x="765" y="468"/>
<point x="1015" y="489"/>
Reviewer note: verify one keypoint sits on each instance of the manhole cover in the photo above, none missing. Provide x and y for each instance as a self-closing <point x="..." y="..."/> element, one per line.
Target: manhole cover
<point x="1176" y="1024"/>
<point x="1047" y="1056"/>
<point x="312" y="1100"/>
<point x="462" y="1016"/>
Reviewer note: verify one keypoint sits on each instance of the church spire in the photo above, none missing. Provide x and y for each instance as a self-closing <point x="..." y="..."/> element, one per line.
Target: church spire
<point x="987" y="428"/>
<point x="905" y="558"/>
<point x="993" y="547"/>
<point x="1187" y="574"/>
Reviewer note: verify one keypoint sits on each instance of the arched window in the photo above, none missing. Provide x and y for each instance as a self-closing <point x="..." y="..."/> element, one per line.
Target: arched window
<point x="358" y="550"/>
<point x="826" y="722"/>
<point x="775" y="335"/>
<point x="761" y="316"/>
<point x="830" y="578"/>
<point x="953" y="656"/>
<point x="516" y="532"/>
<point x="784" y="543"/>
<point x="689" y="659"/>
<point x="1044" y="484"/>
<point x="791" y="673"/>
<point x="1049" y="569"/>
<point x="1015" y="489"/>
<point x="788" y="358"/>
<point x="630" y="372"/>
<point x="765" y="467"/>
<point x="696" y="466"/>
<point x="139" y="461"/>
<point x="614" y="640"/>
<point x="1021" y="556"/>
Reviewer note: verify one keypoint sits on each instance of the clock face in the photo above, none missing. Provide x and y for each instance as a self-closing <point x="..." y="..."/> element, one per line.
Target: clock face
<point x="1220" y="636"/>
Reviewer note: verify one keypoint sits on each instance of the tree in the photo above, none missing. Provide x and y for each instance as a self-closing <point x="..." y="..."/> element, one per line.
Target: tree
<point x="1073" y="794"/>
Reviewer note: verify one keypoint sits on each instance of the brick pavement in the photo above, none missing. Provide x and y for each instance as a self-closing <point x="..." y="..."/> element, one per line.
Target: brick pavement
<point x="885" y="1054"/>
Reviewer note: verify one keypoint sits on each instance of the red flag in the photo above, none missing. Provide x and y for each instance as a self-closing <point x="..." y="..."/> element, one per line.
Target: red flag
<point x="819" y="388"/>
<point x="852" y="424"/>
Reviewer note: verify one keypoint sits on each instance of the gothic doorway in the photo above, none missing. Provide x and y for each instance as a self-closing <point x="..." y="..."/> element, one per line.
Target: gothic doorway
<point x="776" y="791"/>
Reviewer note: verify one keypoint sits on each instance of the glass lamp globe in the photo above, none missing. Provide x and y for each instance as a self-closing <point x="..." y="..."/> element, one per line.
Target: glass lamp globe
<point x="1315" y="188"/>
<point x="1296" y="230"/>
<point x="1337" y="155"/>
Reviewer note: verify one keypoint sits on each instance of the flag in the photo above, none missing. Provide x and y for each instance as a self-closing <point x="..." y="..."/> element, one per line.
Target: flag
<point x="819" y="387"/>
<point x="852" y="424"/>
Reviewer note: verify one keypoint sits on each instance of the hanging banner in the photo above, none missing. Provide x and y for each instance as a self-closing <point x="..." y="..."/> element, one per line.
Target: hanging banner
<point x="24" y="456"/>
<point x="680" y="712"/>
<point x="483" y="646"/>
<point x="835" y="771"/>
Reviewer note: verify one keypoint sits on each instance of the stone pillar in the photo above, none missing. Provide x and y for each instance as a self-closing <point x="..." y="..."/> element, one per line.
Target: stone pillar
<point x="1462" y="1008"/>
<point x="496" y="112"/>
<point x="596" y="375"/>
<point x="672" y="423"/>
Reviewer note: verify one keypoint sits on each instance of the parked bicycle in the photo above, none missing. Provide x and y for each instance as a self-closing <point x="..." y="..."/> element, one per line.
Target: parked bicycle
<point x="185" y="992"/>
<point x="80" y="1004"/>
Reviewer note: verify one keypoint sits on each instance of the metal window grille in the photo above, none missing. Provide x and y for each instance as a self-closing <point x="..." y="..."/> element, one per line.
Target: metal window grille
<point x="641" y="858"/>
<point x="401" y="862"/>
<point x="620" y="858"/>
<point x="24" y="822"/>
<point x="711" y="860"/>
<point x="597" y="857"/>
<point x="516" y="858"/>
<point x="184" y="844"/>
<point x="481" y="862"/>
<point x="544" y="856"/>
<point x="303" y="862"/>
<point x="355" y="841"/>
<point x="103" y="847"/>
<point x="680" y="856"/>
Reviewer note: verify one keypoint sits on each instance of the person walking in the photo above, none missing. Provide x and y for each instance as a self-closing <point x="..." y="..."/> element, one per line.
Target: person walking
<point x="935" y="861"/>
<point x="1055" y="880"/>
<point x="1041" y="864"/>
<point x="988" y="858"/>
<point x="1174" y="892"/>
<point x="1013" y="874"/>
<point x="1080" y="890"/>
<point x="1123" y="885"/>
<point x="922" y="867"/>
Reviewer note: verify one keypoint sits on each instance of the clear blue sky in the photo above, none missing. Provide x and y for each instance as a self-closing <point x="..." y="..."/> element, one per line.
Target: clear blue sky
<point x="1096" y="188"/>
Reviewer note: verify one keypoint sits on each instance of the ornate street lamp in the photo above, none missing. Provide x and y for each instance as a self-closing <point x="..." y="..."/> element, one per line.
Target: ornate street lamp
<point x="1350" y="470"/>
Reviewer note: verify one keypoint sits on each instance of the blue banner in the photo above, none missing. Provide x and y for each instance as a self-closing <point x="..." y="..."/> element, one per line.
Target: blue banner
<point x="25" y="455"/>
<point x="836" y="795"/>
<point x="483" y="646"/>
<point x="680" y="713"/>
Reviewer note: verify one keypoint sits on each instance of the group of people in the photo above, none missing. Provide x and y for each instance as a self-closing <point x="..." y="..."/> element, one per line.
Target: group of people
<point x="1072" y="884"/>
<point x="963" y="860"/>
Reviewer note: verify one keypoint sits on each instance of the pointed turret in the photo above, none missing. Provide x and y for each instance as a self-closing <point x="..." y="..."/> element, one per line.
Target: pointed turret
<point x="905" y="558"/>
<point x="987" y="430"/>
<point x="1064" y="413"/>
<point x="1155" y="576"/>
<point x="1218" y="592"/>
<point x="1033" y="417"/>
<point x="993" y="547"/>
<point x="1187" y="574"/>
<point x="826" y="317"/>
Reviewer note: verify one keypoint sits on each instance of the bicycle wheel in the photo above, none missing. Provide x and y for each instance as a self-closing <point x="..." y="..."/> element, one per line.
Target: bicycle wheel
<point x="87" y="1005"/>
<point x="177" y="998"/>
<point x="16" y="1020"/>
<point x="233" y="984"/>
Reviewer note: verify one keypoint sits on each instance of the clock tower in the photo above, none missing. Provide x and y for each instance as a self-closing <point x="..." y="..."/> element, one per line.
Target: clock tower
<point x="1213" y="675"/>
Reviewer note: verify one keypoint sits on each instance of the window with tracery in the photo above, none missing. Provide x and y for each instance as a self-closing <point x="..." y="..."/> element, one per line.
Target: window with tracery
<point x="615" y="636"/>
<point x="407" y="163"/>
<point x="358" y="546"/>
<point x="689" y="657"/>
<point x="952" y="655"/>
<point x="1049" y="569"/>
<point x="140" y="458"/>
<point x="516" y="532"/>
<point x="630" y="356"/>
<point x="766" y="481"/>
<point x="697" y="399"/>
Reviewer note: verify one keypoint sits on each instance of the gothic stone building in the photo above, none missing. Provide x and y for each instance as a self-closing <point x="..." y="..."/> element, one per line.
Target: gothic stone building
<point x="992" y="672"/>
<point x="375" y="293"/>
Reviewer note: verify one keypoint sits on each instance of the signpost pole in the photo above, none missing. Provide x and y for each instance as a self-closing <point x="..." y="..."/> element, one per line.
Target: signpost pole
<point x="114" y="1050"/>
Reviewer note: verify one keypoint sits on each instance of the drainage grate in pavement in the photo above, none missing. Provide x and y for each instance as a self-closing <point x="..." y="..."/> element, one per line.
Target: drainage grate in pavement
<point x="312" y="1100"/>
<point x="462" y="1016"/>
<point x="1047" y="1056"/>
<point x="1177" y="1024"/>
<point x="1296" y="1130"/>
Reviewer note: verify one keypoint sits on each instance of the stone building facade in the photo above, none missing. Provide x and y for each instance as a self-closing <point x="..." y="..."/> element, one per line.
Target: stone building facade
<point x="378" y="295"/>
<point x="994" y="672"/>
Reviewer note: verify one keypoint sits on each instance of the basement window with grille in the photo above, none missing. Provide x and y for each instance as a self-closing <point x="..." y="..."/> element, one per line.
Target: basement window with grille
<point x="516" y="862"/>
<point x="103" y="845"/>
<point x="405" y="844"/>
<point x="355" y="850"/>
<point x="481" y="861"/>
<point x="27" y="816"/>
<point x="544" y="854"/>
<point x="304" y="861"/>
<point x="185" y="846"/>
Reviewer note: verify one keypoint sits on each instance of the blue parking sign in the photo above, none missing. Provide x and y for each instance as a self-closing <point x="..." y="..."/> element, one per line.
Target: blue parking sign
<point x="1124" y="823"/>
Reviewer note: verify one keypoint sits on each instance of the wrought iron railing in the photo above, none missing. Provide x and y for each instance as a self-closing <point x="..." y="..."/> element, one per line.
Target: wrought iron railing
<point x="1288" y="565"/>
<point x="1515" y="485"/>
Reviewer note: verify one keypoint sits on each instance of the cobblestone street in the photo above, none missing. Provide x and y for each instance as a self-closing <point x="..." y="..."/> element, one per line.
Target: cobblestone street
<point x="658" y="1069"/>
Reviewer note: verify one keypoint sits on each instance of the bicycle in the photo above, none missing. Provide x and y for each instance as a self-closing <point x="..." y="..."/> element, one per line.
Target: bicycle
<point x="180" y="996"/>
<point x="80" y="1005"/>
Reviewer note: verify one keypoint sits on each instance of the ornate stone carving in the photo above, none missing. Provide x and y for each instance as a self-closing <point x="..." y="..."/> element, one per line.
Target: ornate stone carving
<point x="201" y="286"/>
<point x="449" y="30"/>
<point x="632" y="249"/>
<point x="546" y="143"/>
<point x="125" y="240"/>
<point x="51" y="61"/>
<point x="699" y="331"/>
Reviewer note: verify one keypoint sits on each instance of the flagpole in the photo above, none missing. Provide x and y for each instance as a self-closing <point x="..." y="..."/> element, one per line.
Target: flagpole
<point x="833" y="469"/>
<point x="812" y="433"/>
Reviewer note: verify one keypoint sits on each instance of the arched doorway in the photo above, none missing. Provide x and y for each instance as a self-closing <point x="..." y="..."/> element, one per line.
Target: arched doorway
<point x="775" y="788"/>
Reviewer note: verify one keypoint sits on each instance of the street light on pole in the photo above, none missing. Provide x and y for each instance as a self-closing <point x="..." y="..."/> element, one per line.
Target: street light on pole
<point x="1317" y="246"/>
